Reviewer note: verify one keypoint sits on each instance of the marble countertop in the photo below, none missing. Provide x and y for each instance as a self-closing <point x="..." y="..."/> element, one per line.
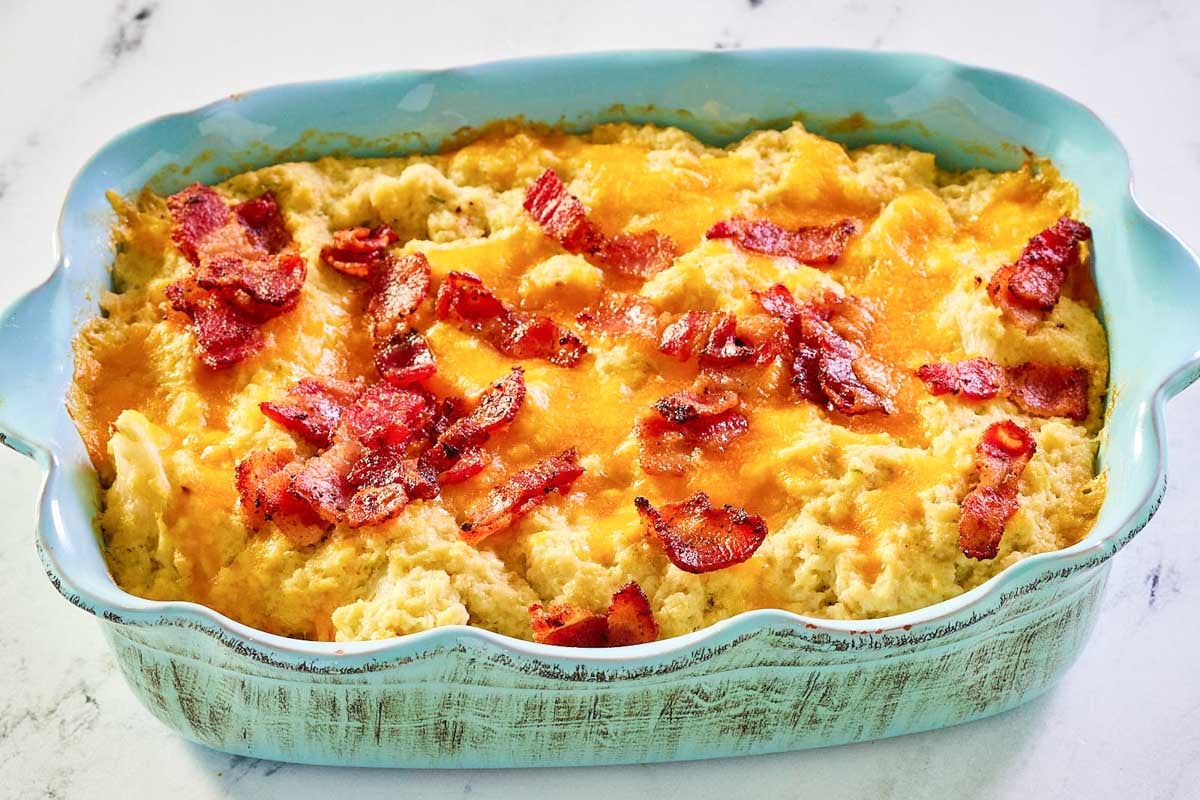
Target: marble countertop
<point x="1124" y="722"/>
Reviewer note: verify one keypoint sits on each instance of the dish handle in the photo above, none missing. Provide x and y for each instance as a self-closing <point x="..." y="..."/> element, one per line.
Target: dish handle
<point x="30" y="370"/>
<point x="1174" y="353"/>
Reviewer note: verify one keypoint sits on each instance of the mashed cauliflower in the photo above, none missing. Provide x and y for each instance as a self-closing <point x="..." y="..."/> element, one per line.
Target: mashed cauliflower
<point x="862" y="511"/>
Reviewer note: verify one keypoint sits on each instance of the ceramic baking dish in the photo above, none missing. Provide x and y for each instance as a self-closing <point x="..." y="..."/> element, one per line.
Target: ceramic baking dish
<point x="760" y="682"/>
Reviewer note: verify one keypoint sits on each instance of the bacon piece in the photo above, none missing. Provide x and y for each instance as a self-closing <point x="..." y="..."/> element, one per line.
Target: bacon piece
<point x="1043" y="390"/>
<point x="830" y="363"/>
<point x="682" y="337"/>
<point x="313" y="408"/>
<point x="355" y="251"/>
<point x="815" y="245"/>
<point x="568" y="627"/>
<point x="1001" y="456"/>
<point x="973" y="379"/>
<point x="520" y="494"/>
<point x="464" y="299"/>
<point x="322" y="481"/>
<point x="385" y="482"/>
<point x="621" y="315"/>
<point x="263" y="223"/>
<point x="699" y="538"/>
<point x="262" y="480"/>
<point x="629" y="621"/>
<point x="404" y="359"/>
<point x="1049" y="390"/>
<point x="198" y="212"/>
<point x="630" y="618"/>
<point x="460" y="441"/>
<point x="1029" y="289"/>
<point x="399" y="287"/>
<point x="260" y="287"/>
<point x="562" y="216"/>
<point x="385" y="416"/>
<point x="724" y="348"/>
<point x="686" y="423"/>
<point x="224" y="336"/>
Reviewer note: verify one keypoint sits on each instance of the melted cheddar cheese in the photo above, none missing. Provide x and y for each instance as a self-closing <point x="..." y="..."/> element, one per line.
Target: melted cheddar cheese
<point x="861" y="510"/>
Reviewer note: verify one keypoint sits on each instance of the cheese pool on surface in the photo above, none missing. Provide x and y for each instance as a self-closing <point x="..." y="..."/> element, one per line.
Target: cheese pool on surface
<point x="862" y="511"/>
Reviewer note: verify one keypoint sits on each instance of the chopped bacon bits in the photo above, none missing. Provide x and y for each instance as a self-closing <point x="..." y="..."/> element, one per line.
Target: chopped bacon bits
<point x="723" y="347"/>
<point x="399" y="288"/>
<point x="830" y="363"/>
<point x="1043" y="390"/>
<point x="262" y="480"/>
<point x="562" y="216"/>
<point x="816" y="245"/>
<point x="404" y="359"/>
<point x="1001" y="456"/>
<point x="224" y="336"/>
<point x="687" y="422"/>
<point x="322" y="482"/>
<point x="973" y="379"/>
<point x="565" y="626"/>
<point x="630" y="618"/>
<point x="699" y="538"/>
<point x="1030" y="288"/>
<point x="313" y="408"/>
<point x="464" y="299"/>
<point x="1049" y="390"/>
<point x="520" y="494"/>
<point x="679" y="339"/>
<point x="621" y="315"/>
<point x="629" y="621"/>
<point x="387" y="416"/>
<point x="355" y="251"/>
<point x="454" y="455"/>
<point x="246" y="271"/>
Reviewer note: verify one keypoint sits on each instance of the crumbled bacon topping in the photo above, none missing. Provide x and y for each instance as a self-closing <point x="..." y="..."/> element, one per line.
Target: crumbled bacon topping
<point x="629" y="621"/>
<point x="521" y="493"/>
<point x="385" y="416"/>
<point x="455" y="454"/>
<point x="464" y="299"/>
<point x="562" y="216"/>
<point x="830" y="363"/>
<point x="686" y="423"/>
<point x="355" y="251"/>
<point x="404" y="359"/>
<point x="1001" y="456"/>
<point x="1043" y="390"/>
<point x="398" y="288"/>
<point x="620" y="314"/>
<point x="313" y="408"/>
<point x="246" y="270"/>
<point x="699" y="538"/>
<point x="1029" y="289"/>
<point x="815" y="245"/>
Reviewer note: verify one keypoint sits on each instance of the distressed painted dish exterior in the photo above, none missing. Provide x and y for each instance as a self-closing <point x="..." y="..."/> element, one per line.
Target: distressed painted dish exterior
<point x="760" y="682"/>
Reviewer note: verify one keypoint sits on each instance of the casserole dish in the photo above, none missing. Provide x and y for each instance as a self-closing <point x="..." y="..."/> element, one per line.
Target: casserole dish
<point x="760" y="682"/>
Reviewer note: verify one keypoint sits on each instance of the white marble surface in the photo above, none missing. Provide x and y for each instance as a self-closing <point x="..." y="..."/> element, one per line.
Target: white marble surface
<point x="1125" y="722"/>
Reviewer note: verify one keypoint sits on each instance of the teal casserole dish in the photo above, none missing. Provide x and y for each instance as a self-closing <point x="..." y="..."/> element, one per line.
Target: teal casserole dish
<point x="760" y="682"/>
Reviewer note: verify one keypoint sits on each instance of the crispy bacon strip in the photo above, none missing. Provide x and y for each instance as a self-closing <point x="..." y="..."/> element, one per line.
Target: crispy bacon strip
<point x="699" y="538"/>
<point x="404" y="359"/>
<point x="355" y="251"/>
<point x="1049" y="390"/>
<point x="566" y="626"/>
<point x="520" y="494"/>
<point x="815" y="245"/>
<point x="629" y="621"/>
<point x="830" y="363"/>
<point x="620" y="314"/>
<point x="1043" y="390"/>
<point x="262" y="480"/>
<point x="464" y="299"/>
<point x="562" y="216"/>
<point x="1000" y="457"/>
<point x="224" y="336"/>
<point x="398" y="288"/>
<point x="455" y="456"/>
<point x="385" y="416"/>
<point x="322" y="481"/>
<point x="1029" y="289"/>
<point x="630" y="618"/>
<point x="682" y="337"/>
<point x="384" y="482"/>
<point x="972" y="379"/>
<point x="685" y="423"/>
<point x="313" y="408"/>
<point x="245" y="270"/>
